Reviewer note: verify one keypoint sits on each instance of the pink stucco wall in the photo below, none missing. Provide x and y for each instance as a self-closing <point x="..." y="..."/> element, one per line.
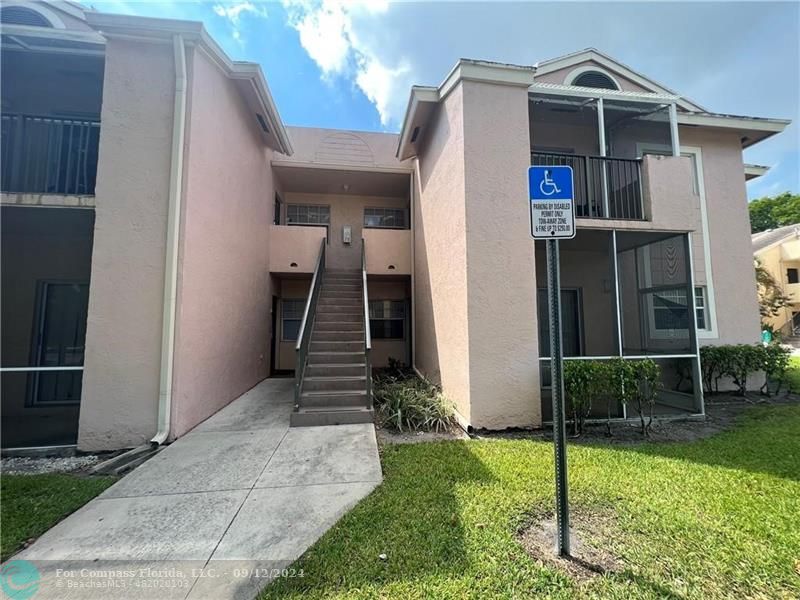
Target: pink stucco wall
<point x="501" y="279"/>
<point x="560" y="75"/>
<point x="224" y="297"/>
<point x="440" y="267"/>
<point x="119" y="404"/>
<point x="729" y="235"/>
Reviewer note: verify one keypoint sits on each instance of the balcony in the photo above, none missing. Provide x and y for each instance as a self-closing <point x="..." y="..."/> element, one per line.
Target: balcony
<point x="47" y="155"/>
<point x="294" y="249"/>
<point x="388" y="251"/>
<point x="605" y="187"/>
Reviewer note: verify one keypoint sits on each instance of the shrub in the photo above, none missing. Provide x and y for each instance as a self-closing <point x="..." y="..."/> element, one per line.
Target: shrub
<point x="739" y="361"/>
<point x="647" y="375"/>
<point x="405" y="401"/>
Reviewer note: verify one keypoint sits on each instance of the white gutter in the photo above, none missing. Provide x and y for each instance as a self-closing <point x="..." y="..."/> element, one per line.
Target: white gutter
<point x="173" y="235"/>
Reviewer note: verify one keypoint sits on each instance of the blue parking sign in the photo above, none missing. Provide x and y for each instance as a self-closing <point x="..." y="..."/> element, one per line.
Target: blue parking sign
<point x="552" y="202"/>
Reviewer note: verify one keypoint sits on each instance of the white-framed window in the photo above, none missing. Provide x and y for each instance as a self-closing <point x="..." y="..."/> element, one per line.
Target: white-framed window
<point x="291" y="316"/>
<point x="308" y="214"/>
<point x="670" y="312"/>
<point x="387" y="218"/>
<point x="701" y="308"/>
<point x="387" y="319"/>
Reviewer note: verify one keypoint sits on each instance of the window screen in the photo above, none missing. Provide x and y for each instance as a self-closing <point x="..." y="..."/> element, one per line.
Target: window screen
<point x="700" y="307"/>
<point x="308" y="214"/>
<point x="387" y="319"/>
<point x="392" y="218"/>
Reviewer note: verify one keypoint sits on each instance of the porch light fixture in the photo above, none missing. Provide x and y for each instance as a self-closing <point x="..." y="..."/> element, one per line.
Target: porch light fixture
<point x="346" y="187"/>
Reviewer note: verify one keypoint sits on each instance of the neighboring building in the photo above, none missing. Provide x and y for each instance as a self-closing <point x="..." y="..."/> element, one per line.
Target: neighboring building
<point x="778" y="251"/>
<point x="162" y="229"/>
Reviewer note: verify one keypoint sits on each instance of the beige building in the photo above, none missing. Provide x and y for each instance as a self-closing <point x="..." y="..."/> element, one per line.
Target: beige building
<point x="168" y="242"/>
<point x="778" y="251"/>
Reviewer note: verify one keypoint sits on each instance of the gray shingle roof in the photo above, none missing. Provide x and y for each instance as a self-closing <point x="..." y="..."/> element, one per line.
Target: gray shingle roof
<point x="764" y="239"/>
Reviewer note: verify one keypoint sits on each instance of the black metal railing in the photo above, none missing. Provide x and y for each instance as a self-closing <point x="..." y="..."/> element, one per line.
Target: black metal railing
<point x="367" y="332"/>
<point x="306" y="325"/>
<point x="47" y="155"/>
<point x="605" y="187"/>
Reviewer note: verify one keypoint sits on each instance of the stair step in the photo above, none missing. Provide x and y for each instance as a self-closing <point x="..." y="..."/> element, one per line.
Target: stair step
<point x="339" y="302"/>
<point x="339" y="294"/>
<point x="352" y="398"/>
<point x="337" y="346"/>
<point x="332" y="415"/>
<point x="335" y="358"/>
<point x="338" y="326"/>
<point x="334" y="384"/>
<point x="338" y="336"/>
<point x="326" y="317"/>
<point x="335" y="370"/>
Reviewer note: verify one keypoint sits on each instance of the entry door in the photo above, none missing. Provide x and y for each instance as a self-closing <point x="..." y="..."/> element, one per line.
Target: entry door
<point x="571" y="323"/>
<point x="59" y="342"/>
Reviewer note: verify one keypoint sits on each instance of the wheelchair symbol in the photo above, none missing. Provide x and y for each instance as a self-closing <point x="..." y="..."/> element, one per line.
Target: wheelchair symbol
<point x="548" y="184"/>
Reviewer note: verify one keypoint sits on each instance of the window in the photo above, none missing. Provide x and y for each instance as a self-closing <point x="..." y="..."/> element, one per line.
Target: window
<point x="387" y="319"/>
<point x="291" y="316"/>
<point x="20" y="15"/>
<point x="669" y="310"/>
<point x="595" y="79"/>
<point x="701" y="308"/>
<point x="791" y="276"/>
<point x="308" y="214"/>
<point x="390" y="218"/>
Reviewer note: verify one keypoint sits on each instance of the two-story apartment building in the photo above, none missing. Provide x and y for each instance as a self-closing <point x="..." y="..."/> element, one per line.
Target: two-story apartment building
<point x="778" y="252"/>
<point x="168" y="242"/>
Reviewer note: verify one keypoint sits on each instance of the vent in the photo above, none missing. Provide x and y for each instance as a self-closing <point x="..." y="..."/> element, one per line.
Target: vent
<point x="19" y="15"/>
<point x="262" y="122"/>
<point x="593" y="79"/>
<point x="414" y="134"/>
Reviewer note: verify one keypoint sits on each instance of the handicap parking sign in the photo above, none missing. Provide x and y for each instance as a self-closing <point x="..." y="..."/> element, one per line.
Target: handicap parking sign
<point x="552" y="202"/>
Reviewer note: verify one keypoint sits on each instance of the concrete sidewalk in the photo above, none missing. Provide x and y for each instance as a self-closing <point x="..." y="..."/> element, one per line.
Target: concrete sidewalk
<point x="216" y="513"/>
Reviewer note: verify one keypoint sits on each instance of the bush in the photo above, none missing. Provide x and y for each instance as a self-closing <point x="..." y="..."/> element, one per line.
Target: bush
<point x="739" y="361"/>
<point x="587" y="382"/>
<point x="405" y="401"/>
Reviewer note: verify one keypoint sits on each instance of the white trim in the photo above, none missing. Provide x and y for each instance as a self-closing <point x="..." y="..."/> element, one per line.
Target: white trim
<point x="340" y="167"/>
<point x="753" y="171"/>
<point x="69" y="35"/>
<point x="673" y="130"/>
<point x="734" y="122"/>
<point x="697" y="153"/>
<point x="575" y="73"/>
<point x="39" y="8"/>
<point x="556" y="89"/>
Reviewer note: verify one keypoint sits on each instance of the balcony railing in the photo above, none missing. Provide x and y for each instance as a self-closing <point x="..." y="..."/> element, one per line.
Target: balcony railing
<point x="605" y="187"/>
<point x="46" y="155"/>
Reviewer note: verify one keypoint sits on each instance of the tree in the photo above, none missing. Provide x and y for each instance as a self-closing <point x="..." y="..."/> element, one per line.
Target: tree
<point x="770" y="212"/>
<point x="771" y="298"/>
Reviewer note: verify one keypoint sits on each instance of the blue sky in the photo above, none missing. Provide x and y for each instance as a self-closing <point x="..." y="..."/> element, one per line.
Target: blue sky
<point x="350" y="65"/>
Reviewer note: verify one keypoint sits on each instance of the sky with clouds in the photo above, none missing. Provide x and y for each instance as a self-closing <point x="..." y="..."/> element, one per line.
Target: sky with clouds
<point x="350" y="65"/>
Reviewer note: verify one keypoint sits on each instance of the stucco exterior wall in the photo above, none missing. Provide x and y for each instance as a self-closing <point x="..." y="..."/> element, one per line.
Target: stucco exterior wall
<point x="440" y="257"/>
<point x="119" y="406"/>
<point x="224" y="297"/>
<point x="294" y="244"/>
<point x="346" y="210"/>
<point x="501" y="278"/>
<point x="729" y="235"/>
<point x="360" y="149"/>
<point x="560" y="75"/>
<point x="388" y="251"/>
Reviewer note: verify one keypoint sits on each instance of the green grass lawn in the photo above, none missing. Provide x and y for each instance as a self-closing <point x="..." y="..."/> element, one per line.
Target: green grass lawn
<point x="32" y="504"/>
<point x="718" y="518"/>
<point x="793" y="374"/>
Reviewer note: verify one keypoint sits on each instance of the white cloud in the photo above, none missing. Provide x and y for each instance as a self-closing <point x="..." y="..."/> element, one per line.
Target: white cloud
<point x="233" y="12"/>
<point x="328" y="33"/>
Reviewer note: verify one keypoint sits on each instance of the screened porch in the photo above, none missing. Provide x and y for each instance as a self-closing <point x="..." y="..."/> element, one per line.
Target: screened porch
<point x="627" y="294"/>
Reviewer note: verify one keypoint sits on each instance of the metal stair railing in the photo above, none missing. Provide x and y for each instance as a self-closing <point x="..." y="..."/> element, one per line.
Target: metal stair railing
<point x="367" y="334"/>
<point x="306" y="325"/>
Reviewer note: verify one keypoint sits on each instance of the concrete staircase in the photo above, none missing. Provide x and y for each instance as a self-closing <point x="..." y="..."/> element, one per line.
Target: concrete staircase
<point x="334" y="387"/>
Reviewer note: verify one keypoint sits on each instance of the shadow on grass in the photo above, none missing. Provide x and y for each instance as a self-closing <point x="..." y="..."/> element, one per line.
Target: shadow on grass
<point x="764" y="440"/>
<point x="421" y="536"/>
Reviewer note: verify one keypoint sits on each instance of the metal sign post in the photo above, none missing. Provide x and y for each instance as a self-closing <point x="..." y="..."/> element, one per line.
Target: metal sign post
<point x="552" y="209"/>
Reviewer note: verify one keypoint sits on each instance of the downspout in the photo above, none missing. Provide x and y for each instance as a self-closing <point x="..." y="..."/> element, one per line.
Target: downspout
<point x="173" y="235"/>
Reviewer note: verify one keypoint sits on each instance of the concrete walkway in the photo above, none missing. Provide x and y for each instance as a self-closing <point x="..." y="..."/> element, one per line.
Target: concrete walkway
<point x="217" y="512"/>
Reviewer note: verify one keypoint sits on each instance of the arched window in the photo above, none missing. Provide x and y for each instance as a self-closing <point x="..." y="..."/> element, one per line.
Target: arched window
<point x="595" y="79"/>
<point x="21" y="15"/>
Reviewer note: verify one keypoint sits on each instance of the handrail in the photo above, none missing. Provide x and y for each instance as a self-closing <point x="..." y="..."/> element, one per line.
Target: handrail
<point x="367" y="333"/>
<point x="304" y="334"/>
<point x="605" y="187"/>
